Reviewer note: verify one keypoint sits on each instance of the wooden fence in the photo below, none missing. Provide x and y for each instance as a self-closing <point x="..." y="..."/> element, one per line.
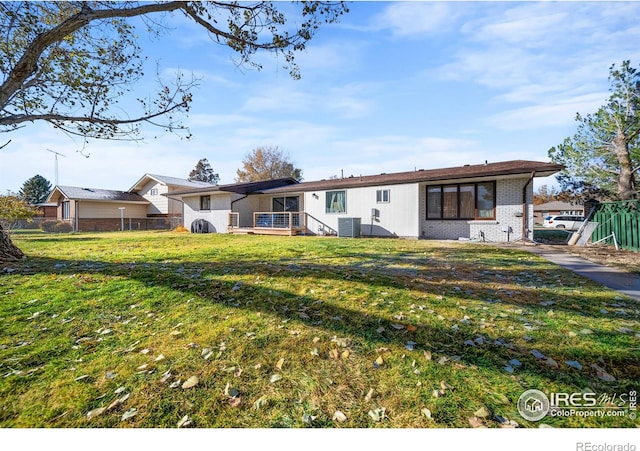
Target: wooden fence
<point x="621" y="219"/>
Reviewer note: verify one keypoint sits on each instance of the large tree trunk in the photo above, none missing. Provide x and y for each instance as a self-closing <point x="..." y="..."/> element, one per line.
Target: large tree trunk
<point x="8" y="250"/>
<point x="626" y="185"/>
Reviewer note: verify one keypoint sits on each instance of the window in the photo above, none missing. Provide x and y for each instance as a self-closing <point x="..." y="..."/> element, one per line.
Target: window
<point x="462" y="201"/>
<point x="336" y="202"/>
<point x="382" y="196"/>
<point x="66" y="210"/>
<point x="285" y="204"/>
<point x="154" y="191"/>
<point x="205" y="202"/>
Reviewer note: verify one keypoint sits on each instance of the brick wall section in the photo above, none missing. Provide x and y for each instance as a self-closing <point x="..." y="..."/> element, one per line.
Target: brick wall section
<point x="114" y="224"/>
<point x="508" y="214"/>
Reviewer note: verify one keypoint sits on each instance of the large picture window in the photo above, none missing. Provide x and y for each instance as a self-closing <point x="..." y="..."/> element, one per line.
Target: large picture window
<point x="461" y="201"/>
<point x="336" y="202"/>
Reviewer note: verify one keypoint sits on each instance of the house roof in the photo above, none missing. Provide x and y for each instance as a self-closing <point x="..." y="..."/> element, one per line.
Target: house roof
<point x="557" y="205"/>
<point x="165" y="180"/>
<point x="240" y="188"/>
<point x="505" y="168"/>
<point x="95" y="194"/>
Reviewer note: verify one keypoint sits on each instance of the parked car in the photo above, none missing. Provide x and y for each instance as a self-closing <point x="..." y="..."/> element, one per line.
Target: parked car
<point x="564" y="222"/>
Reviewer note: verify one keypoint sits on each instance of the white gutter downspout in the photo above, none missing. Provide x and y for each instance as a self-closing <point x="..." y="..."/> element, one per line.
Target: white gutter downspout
<point x="525" y="215"/>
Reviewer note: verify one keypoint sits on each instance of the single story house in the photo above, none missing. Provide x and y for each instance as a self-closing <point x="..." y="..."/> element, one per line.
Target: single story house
<point x="555" y="207"/>
<point x="144" y="206"/>
<point x="487" y="202"/>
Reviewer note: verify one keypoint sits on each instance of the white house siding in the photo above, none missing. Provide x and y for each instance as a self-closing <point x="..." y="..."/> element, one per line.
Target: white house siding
<point x="159" y="203"/>
<point x="399" y="217"/>
<point x="101" y="210"/>
<point x="217" y="217"/>
<point x="508" y="215"/>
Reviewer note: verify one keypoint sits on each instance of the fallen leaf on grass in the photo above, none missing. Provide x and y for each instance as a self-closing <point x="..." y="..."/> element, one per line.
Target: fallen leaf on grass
<point x="345" y="354"/>
<point x="235" y="401"/>
<point x="483" y="412"/>
<point x="184" y="422"/>
<point x="398" y="326"/>
<point x="275" y="378"/>
<point x="339" y="417"/>
<point x="307" y="419"/>
<point x="159" y="358"/>
<point x="280" y="363"/>
<point x="445" y="386"/>
<point x="574" y="364"/>
<point x="537" y="354"/>
<point x="191" y="382"/>
<point x="118" y="402"/>
<point x="260" y="402"/>
<point x="369" y="395"/>
<point x="602" y="374"/>
<point x="427" y="355"/>
<point x="129" y="414"/>
<point x="95" y="412"/>
<point x="377" y="414"/>
<point x="427" y="413"/>
<point x="476" y="422"/>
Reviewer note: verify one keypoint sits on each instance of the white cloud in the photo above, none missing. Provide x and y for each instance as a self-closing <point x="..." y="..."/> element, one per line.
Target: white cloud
<point x="548" y="114"/>
<point x="406" y="19"/>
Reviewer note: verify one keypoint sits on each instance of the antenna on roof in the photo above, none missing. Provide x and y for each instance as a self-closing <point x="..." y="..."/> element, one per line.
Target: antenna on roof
<point x="56" y="157"/>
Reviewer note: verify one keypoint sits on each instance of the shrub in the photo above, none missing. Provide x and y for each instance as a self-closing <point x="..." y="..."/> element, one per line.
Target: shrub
<point x="48" y="226"/>
<point x="181" y="228"/>
<point x="63" y="227"/>
<point x="56" y="227"/>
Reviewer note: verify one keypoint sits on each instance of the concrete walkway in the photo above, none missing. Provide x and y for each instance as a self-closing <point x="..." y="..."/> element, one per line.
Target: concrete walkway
<point x="624" y="282"/>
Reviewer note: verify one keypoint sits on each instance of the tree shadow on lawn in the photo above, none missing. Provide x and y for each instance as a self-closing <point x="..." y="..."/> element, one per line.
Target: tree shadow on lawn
<point x="229" y="285"/>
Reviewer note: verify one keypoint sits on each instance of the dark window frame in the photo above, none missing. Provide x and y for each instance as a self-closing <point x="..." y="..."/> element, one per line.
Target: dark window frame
<point x="457" y="186"/>
<point x="205" y="203"/>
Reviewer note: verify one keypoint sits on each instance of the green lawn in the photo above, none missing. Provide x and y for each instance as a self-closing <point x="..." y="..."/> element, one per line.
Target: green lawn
<point x="103" y="330"/>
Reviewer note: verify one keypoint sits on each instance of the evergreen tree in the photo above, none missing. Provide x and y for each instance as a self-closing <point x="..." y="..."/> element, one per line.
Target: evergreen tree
<point x="35" y="190"/>
<point x="203" y="172"/>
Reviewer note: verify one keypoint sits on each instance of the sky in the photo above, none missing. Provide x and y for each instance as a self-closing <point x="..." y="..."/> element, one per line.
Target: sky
<point x="394" y="86"/>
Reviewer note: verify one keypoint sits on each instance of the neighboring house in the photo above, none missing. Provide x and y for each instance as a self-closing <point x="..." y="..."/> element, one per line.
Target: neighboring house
<point x="145" y="205"/>
<point x="91" y="209"/>
<point x="154" y="188"/>
<point x="554" y="208"/>
<point x="489" y="202"/>
<point x="46" y="211"/>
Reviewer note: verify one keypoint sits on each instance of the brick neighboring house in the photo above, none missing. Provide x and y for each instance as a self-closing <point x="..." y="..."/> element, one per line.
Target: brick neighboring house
<point x="92" y="209"/>
<point x="145" y="205"/>
<point x="541" y="211"/>
<point x="487" y="202"/>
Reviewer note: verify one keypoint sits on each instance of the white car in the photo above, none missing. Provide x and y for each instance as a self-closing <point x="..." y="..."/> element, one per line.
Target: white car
<point x="567" y="222"/>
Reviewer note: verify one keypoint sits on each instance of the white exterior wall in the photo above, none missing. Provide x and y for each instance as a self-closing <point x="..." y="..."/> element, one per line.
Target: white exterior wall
<point x="508" y="215"/>
<point x="217" y="217"/>
<point x="245" y="207"/>
<point x="159" y="203"/>
<point x="399" y="217"/>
